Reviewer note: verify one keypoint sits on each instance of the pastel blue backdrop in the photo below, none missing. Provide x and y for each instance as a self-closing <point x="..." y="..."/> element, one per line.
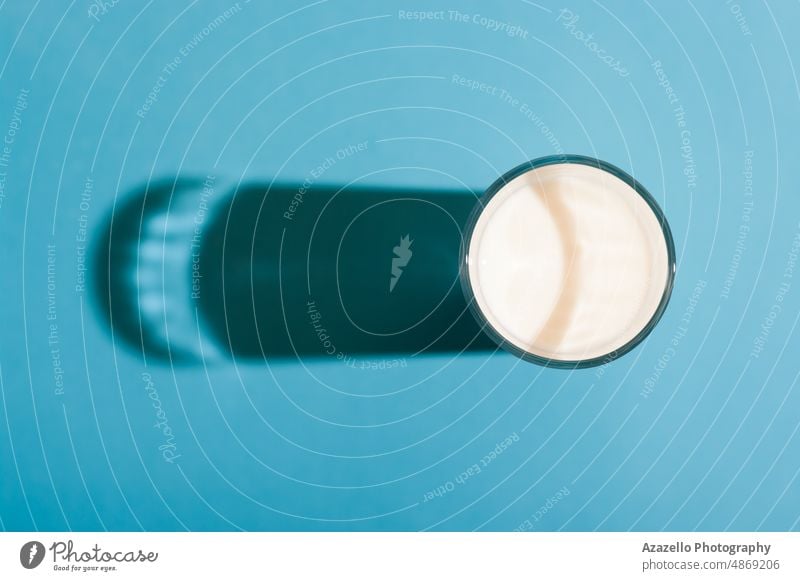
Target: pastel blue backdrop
<point x="697" y="428"/>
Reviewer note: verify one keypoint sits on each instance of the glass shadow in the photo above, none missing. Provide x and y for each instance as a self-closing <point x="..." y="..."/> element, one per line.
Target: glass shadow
<point x="188" y="269"/>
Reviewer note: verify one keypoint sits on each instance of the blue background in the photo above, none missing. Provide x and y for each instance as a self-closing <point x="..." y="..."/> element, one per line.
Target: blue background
<point x="272" y="91"/>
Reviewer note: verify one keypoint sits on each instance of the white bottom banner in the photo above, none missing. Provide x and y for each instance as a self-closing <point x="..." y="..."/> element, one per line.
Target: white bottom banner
<point x="419" y="556"/>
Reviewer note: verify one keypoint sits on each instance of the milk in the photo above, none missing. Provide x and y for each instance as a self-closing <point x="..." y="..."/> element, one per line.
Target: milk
<point x="568" y="262"/>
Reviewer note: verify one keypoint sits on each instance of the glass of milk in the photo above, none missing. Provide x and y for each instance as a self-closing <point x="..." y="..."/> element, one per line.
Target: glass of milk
<point x="567" y="261"/>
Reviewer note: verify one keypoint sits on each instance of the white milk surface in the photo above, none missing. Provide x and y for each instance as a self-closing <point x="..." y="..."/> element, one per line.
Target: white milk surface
<point x="568" y="262"/>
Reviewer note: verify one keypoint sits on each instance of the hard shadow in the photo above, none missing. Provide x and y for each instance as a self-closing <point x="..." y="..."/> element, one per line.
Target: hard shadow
<point x="189" y="268"/>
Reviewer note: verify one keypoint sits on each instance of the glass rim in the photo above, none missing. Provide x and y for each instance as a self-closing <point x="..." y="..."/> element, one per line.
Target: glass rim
<point x="477" y="211"/>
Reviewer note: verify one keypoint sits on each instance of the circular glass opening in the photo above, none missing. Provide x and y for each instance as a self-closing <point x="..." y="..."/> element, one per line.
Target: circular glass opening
<point x="567" y="261"/>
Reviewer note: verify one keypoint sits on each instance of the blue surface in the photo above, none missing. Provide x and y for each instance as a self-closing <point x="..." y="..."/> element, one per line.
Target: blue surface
<point x="707" y="439"/>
